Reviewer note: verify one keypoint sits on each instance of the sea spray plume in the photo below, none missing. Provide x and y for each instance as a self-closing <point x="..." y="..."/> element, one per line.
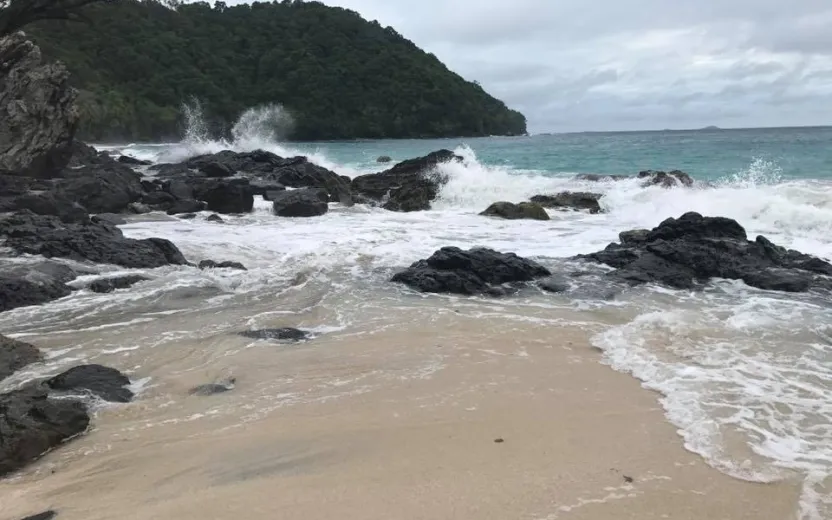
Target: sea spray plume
<point x="196" y="131"/>
<point x="262" y="124"/>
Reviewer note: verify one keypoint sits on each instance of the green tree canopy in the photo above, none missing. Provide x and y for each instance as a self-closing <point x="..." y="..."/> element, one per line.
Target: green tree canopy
<point x="340" y="76"/>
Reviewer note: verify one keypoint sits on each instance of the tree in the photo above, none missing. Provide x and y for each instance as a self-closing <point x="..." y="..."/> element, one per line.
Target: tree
<point x="16" y="14"/>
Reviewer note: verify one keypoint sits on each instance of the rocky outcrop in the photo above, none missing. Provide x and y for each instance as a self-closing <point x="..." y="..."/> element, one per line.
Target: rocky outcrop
<point x="284" y="334"/>
<point x="210" y="264"/>
<point x="688" y="251"/>
<point x="15" y="355"/>
<point x="300" y="203"/>
<point x="102" y="186"/>
<point x="214" y="218"/>
<point x="95" y="242"/>
<point x="580" y="201"/>
<point x="226" y="196"/>
<point x="476" y="271"/>
<point x="31" y="424"/>
<point x="511" y="211"/>
<point x="186" y="207"/>
<point x="671" y="179"/>
<point x="132" y="161"/>
<point x="107" y="285"/>
<point x="38" y="114"/>
<point x="21" y="291"/>
<point x="408" y="186"/>
<point x="50" y="203"/>
<point x="102" y="382"/>
<point x="600" y="177"/>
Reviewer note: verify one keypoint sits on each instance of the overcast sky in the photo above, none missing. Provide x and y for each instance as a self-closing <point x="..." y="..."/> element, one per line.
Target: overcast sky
<point x="574" y="65"/>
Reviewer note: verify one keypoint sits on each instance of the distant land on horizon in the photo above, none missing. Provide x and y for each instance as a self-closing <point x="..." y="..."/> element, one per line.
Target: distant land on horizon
<point x="688" y="130"/>
<point x="137" y="62"/>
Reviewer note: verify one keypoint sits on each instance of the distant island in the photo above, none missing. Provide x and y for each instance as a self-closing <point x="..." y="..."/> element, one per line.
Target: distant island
<point x="338" y="75"/>
<point x="711" y="128"/>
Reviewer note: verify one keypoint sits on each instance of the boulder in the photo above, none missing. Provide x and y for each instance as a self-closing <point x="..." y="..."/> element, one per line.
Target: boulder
<point x="210" y="264"/>
<point x="31" y="424"/>
<point x="410" y="185"/>
<point x="511" y="211"/>
<point x="50" y="203"/>
<point x="554" y="284"/>
<point x="132" y="161"/>
<point x="666" y="179"/>
<point x="179" y="189"/>
<point x="216" y="169"/>
<point x="107" y="285"/>
<point x="686" y="252"/>
<point x="38" y="112"/>
<point x="596" y="177"/>
<point x="226" y="196"/>
<point x="15" y="355"/>
<point x="298" y="172"/>
<point x="283" y="334"/>
<point x="384" y="159"/>
<point x="213" y="217"/>
<point x="106" y="186"/>
<point x="110" y="218"/>
<point x="222" y="386"/>
<point x="476" y="271"/>
<point x="159" y="199"/>
<point x="582" y="201"/>
<point x="95" y="242"/>
<point x="103" y="382"/>
<point x="262" y="187"/>
<point x="300" y="203"/>
<point x="186" y="206"/>
<point x="22" y="292"/>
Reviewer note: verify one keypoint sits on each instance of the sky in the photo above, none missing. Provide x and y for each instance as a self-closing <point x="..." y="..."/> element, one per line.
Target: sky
<point x="579" y="65"/>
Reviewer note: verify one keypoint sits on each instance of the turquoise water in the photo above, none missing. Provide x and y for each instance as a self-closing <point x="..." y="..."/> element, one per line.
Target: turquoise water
<point x="791" y="153"/>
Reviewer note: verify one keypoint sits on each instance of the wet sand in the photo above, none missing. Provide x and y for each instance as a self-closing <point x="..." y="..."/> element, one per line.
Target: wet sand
<point x="401" y="423"/>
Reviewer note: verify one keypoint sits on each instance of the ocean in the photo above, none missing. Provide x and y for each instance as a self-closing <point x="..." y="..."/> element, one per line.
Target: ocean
<point x="744" y="375"/>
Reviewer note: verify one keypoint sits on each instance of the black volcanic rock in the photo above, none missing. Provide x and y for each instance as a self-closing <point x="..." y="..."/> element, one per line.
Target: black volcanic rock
<point x="476" y="271"/>
<point x="511" y="211"/>
<point x="300" y="203"/>
<point x="104" y="382"/>
<point x="31" y="424"/>
<point x="210" y="264"/>
<point x="97" y="242"/>
<point x="692" y="249"/>
<point x="570" y="200"/>
<point x="107" y="285"/>
<point x="15" y="355"/>
<point x="283" y="334"/>
<point x="410" y="185"/>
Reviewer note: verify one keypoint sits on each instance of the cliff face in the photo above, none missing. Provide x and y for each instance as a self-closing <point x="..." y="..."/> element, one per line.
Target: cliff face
<point x="38" y="112"/>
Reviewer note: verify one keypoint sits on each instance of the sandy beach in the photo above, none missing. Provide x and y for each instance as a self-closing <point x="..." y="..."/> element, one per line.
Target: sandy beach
<point x="447" y="417"/>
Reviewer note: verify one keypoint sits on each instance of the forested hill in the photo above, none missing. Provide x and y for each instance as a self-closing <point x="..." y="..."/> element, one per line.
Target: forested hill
<point x="340" y="76"/>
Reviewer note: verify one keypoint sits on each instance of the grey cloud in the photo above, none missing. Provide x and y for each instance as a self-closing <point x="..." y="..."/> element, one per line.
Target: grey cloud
<point x="616" y="64"/>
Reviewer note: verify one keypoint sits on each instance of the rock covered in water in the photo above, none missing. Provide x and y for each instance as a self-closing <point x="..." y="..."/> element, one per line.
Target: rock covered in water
<point x="38" y="112"/>
<point x="476" y="271"/>
<point x="182" y="207"/>
<point x="600" y="177"/>
<point x="670" y="179"/>
<point x="15" y="355"/>
<point x="132" y="161"/>
<point x="220" y="387"/>
<point x="103" y="382"/>
<point x="22" y="292"/>
<point x="210" y="264"/>
<point x="282" y="334"/>
<point x="581" y="201"/>
<point x="300" y="203"/>
<point x="384" y="159"/>
<point x="214" y="218"/>
<point x="692" y="249"/>
<point x="511" y="211"/>
<point x="31" y="424"/>
<point x="94" y="242"/>
<point x="410" y="185"/>
<point x="108" y="285"/>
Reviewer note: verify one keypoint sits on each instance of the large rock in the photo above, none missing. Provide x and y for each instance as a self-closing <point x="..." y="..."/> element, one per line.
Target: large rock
<point x="298" y="172"/>
<point x="106" y="186"/>
<point x="476" y="271"/>
<point x="97" y="242"/>
<point x="582" y="201"/>
<point x="186" y="206"/>
<point x="50" y="203"/>
<point x="31" y="424"/>
<point x="107" y="285"/>
<point x="671" y="179"/>
<point x="692" y="249"/>
<point x="300" y="203"/>
<point x="410" y="185"/>
<point x="38" y="113"/>
<point x="15" y="355"/>
<point x="103" y="382"/>
<point x="225" y="196"/>
<point x="22" y="291"/>
<point x="511" y="211"/>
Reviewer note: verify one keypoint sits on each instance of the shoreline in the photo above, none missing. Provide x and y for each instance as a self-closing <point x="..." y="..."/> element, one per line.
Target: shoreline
<point x="417" y="442"/>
